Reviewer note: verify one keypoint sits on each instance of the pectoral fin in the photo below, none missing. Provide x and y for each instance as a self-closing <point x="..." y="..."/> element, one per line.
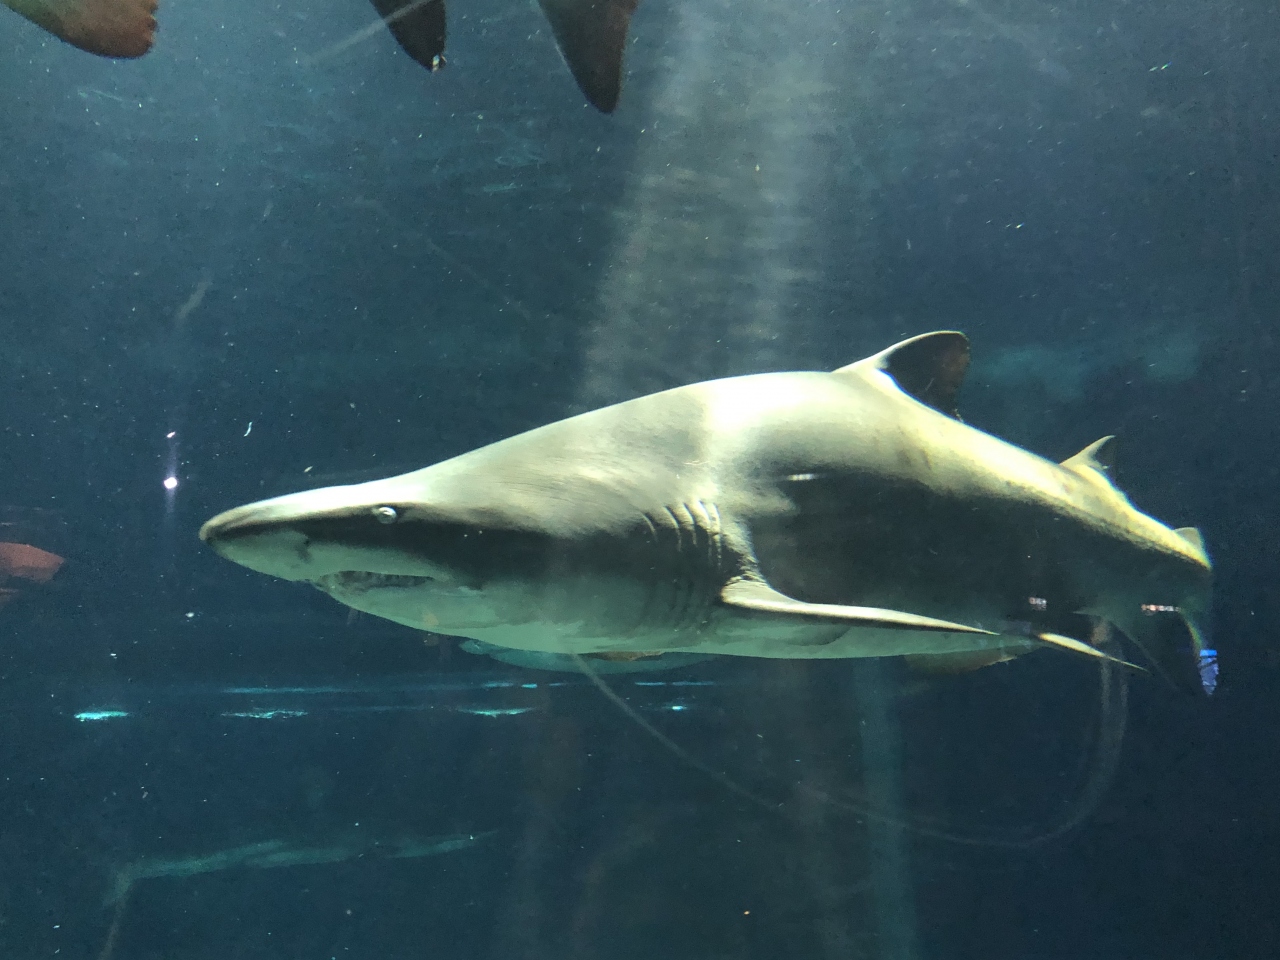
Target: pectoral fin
<point x="759" y="596"/>
<point x="592" y="37"/>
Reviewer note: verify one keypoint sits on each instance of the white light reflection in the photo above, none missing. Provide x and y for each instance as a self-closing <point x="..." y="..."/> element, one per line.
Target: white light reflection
<point x="177" y="411"/>
<point x="88" y="716"/>
<point x="170" y="473"/>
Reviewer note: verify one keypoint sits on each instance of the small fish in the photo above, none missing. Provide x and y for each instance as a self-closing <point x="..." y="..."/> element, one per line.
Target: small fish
<point x="20" y="561"/>
<point x="783" y="515"/>
<point x="110" y="28"/>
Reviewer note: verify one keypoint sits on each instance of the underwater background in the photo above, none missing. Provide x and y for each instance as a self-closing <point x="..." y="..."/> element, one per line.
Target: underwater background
<point x="255" y="264"/>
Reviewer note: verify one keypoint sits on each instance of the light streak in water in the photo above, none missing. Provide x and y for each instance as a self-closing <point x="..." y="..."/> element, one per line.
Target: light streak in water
<point x="85" y="716"/>
<point x="494" y="711"/>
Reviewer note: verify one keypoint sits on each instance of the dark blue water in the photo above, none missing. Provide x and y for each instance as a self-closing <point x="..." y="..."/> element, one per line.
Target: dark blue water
<point x="255" y="273"/>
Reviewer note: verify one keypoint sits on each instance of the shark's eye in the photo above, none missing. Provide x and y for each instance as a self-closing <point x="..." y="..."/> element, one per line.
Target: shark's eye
<point x="386" y="514"/>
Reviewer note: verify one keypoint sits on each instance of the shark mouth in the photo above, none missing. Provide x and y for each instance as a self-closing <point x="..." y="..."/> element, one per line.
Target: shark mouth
<point x="360" y="581"/>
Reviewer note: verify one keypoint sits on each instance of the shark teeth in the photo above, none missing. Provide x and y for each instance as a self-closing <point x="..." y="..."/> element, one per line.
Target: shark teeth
<point x="348" y="580"/>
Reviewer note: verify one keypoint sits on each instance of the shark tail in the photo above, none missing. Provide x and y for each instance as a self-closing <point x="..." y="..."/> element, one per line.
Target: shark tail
<point x="1175" y="645"/>
<point x="1175" y="638"/>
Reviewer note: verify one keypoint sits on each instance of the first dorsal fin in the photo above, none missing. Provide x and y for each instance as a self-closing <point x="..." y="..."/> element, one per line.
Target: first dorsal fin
<point x="1193" y="536"/>
<point x="930" y="368"/>
<point x="1098" y="457"/>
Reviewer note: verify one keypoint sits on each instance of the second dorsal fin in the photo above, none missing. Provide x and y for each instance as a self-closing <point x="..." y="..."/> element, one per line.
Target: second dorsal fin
<point x="1193" y="536"/>
<point x="1098" y="457"/>
<point x="930" y="368"/>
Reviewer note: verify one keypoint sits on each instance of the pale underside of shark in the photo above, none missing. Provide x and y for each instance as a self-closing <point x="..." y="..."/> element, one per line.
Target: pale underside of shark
<point x="782" y="515"/>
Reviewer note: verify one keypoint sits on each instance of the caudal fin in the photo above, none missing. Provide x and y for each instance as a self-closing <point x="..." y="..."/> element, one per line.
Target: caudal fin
<point x="1176" y="647"/>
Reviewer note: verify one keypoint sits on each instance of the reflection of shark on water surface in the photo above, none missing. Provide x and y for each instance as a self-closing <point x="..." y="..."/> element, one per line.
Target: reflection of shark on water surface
<point x="358" y="845"/>
<point x="789" y="515"/>
<point x="280" y="853"/>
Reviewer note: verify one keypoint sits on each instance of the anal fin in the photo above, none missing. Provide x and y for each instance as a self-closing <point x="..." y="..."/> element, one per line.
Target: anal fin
<point x="1079" y="646"/>
<point x="757" y="595"/>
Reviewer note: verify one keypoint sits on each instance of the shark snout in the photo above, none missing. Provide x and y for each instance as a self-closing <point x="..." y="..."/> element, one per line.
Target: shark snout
<point x="247" y="537"/>
<point x="320" y="534"/>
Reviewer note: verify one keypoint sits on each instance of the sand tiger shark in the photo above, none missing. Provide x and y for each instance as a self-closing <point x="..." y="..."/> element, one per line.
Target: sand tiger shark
<point x="782" y="515"/>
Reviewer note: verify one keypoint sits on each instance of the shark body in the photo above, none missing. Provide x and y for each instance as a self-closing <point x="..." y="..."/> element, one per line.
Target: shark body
<point x="788" y="515"/>
<point x="591" y="35"/>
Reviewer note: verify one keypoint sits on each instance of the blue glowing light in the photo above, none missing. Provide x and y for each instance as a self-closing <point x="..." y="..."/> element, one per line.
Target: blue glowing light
<point x="1209" y="670"/>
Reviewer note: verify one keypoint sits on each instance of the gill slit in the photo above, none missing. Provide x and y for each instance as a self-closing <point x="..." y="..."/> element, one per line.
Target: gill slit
<point x="690" y="534"/>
